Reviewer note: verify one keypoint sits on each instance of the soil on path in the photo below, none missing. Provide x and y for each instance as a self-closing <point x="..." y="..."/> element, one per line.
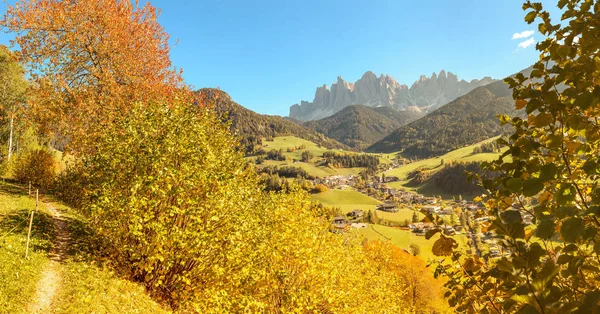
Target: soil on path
<point x="51" y="277"/>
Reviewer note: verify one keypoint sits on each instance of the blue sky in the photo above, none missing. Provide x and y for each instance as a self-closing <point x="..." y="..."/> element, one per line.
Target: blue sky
<point x="271" y="54"/>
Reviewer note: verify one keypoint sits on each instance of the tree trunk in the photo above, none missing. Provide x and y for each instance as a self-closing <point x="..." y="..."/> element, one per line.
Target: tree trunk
<point x="10" y="138"/>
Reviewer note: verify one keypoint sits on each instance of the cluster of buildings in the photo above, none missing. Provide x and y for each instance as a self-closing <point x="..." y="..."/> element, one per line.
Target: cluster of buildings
<point x="421" y="228"/>
<point x="336" y="181"/>
<point x="341" y="224"/>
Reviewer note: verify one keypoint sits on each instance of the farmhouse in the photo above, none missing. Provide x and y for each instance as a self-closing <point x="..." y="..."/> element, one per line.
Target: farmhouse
<point x="421" y="226"/>
<point x="356" y="214"/>
<point x="388" y="207"/>
<point x="339" y="224"/>
<point x="483" y="219"/>
<point x="339" y="220"/>
<point x="472" y="207"/>
<point x="446" y="211"/>
<point x="431" y="209"/>
<point x="431" y="200"/>
<point x="449" y="231"/>
<point x="390" y="179"/>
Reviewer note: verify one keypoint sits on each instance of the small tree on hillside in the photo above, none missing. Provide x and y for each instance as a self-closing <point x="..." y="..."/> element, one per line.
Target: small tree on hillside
<point x="306" y="156"/>
<point x="414" y="249"/>
<point x="415" y="217"/>
<point x="12" y="93"/>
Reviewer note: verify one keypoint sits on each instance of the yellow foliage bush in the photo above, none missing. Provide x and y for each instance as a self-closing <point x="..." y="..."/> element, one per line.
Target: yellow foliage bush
<point x="37" y="167"/>
<point x="181" y="212"/>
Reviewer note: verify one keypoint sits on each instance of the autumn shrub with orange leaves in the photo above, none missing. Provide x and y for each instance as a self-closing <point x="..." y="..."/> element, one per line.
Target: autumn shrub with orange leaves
<point x="424" y="293"/>
<point x="88" y="61"/>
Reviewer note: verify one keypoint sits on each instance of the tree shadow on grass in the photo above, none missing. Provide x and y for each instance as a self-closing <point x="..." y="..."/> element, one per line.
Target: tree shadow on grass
<point x="9" y="186"/>
<point x="42" y="229"/>
<point x="84" y="245"/>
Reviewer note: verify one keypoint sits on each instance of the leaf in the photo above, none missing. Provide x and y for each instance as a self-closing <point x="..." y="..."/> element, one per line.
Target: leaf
<point x="570" y="248"/>
<point x="505" y="265"/>
<point x="545" y="276"/>
<point x="511" y="217"/>
<point x="562" y="3"/>
<point x="528" y="309"/>
<point x="565" y="194"/>
<point x="513" y="230"/>
<point x="532" y="187"/>
<point x="535" y="252"/>
<point x="597" y="247"/>
<point x="514" y="184"/>
<point x="596" y="195"/>
<point x="565" y="211"/>
<point x="469" y="264"/>
<point x="572" y="229"/>
<point x="576" y="122"/>
<point x="520" y="104"/>
<point x="431" y="233"/>
<point x="564" y="259"/>
<point x="590" y="167"/>
<point x="530" y="17"/>
<point x="591" y="303"/>
<point x="541" y="120"/>
<point x="444" y="246"/>
<point x="546" y="229"/>
<point x="548" y="172"/>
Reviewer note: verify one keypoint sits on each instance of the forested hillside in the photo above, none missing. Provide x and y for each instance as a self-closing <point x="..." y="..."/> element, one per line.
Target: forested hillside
<point x="251" y="127"/>
<point x="464" y="121"/>
<point x="360" y="126"/>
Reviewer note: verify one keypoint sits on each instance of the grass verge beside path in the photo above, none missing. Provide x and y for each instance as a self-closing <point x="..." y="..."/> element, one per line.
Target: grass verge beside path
<point x="19" y="276"/>
<point x="85" y="285"/>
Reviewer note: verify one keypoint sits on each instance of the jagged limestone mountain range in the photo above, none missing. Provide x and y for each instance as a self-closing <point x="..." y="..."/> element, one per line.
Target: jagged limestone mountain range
<point x="424" y="95"/>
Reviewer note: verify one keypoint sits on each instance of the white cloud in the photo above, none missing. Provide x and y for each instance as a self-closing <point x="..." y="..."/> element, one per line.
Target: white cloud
<point x="527" y="43"/>
<point x="523" y="34"/>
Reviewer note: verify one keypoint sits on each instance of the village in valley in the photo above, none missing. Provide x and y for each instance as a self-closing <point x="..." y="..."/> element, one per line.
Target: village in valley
<point x="384" y="202"/>
<point x="459" y="216"/>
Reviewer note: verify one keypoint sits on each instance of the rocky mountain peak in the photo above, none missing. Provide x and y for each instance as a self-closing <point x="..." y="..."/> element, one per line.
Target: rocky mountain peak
<point x="442" y="75"/>
<point x="369" y="76"/>
<point x="426" y="94"/>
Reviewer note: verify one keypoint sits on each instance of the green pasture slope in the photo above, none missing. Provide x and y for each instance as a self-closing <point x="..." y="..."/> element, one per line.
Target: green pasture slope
<point x="313" y="167"/>
<point x="464" y="154"/>
<point x="404" y="238"/>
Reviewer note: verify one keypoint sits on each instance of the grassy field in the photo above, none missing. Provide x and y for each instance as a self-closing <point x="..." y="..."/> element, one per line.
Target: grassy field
<point x="401" y="216"/>
<point x="314" y="170"/>
<point x="464" y="154"/>
<point x="404" y="238"/>
<point x="83" y="286"/>
<point x="347" y="200"/>
<point x="285" y="142"/>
